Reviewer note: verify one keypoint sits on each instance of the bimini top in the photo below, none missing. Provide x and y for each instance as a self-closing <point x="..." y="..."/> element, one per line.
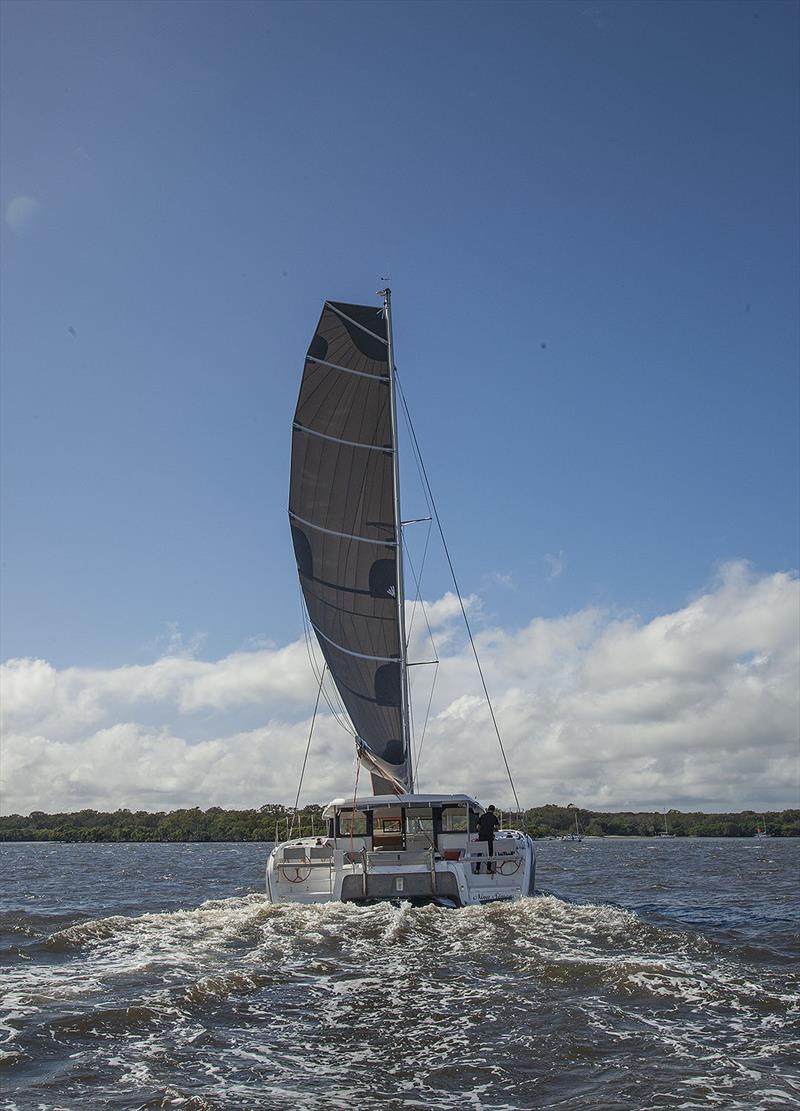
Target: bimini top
<point x="372" y="802"/>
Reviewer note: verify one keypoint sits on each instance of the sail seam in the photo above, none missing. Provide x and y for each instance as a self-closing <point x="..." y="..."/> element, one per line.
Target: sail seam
<point x="344" y="316"/>
<point x="347" y="369"/>
<point x="338" y="440"/>
<point x="343" y="535"/>
<point x="348" y="652"/>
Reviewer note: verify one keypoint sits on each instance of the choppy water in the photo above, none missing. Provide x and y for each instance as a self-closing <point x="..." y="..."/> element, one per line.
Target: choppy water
<point x="652" y="974"/>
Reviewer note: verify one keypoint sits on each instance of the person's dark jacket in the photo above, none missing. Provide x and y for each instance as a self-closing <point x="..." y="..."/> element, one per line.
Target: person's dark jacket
<point x="487" y="824"/>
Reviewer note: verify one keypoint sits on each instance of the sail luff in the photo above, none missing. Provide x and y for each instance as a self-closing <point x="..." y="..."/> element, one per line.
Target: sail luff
<point x="401" y="596"/>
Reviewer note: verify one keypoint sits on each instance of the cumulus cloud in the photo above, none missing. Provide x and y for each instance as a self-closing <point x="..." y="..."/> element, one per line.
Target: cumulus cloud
<point x="21" y="212"/>
<point x="695" y="708"/>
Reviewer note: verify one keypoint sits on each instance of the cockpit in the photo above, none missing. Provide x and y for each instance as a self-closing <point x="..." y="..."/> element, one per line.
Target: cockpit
<point x="405" y="823"/>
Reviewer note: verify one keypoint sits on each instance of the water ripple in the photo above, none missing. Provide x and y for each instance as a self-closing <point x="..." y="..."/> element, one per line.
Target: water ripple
<point x="545" y="1003"/>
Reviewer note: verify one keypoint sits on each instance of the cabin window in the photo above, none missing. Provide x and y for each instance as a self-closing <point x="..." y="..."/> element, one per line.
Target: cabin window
<point x="419" y="820"/>
<point x="454" y="819"/>
<point x="388" y="829"/>
<point x="351" y="823"/>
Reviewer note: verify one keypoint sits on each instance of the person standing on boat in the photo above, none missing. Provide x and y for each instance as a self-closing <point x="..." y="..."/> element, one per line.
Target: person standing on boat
<point x="487" y="824"/>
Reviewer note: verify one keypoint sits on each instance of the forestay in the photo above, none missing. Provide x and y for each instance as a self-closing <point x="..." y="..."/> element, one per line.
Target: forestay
<point x="345" y="529"/>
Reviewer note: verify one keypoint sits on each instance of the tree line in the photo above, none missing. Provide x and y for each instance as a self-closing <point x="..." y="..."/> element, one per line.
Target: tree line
<point x="271" y="820"/>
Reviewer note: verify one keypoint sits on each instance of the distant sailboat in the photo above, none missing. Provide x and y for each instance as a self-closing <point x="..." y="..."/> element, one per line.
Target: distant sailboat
<point x="666" y="832"/>
<point x="761" y="830"/>
<point x="577" y="835"/>
<point x="344" y="513"/>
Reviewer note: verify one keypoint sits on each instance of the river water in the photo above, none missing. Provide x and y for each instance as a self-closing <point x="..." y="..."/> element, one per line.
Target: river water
<point x="647" y="974"/>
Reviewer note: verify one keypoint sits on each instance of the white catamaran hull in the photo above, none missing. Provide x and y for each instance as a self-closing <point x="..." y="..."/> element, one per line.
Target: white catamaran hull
<point x="303" y="871"/>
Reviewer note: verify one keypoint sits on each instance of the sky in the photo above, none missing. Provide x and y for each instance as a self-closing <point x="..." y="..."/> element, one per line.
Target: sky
<point x="588" y="215"/>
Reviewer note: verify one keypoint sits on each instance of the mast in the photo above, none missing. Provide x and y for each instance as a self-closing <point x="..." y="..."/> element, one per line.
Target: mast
<point x="401" y="612"/>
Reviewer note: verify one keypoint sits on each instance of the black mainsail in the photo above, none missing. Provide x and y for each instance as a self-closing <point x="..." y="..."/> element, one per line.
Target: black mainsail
<point x="345" y="522"/>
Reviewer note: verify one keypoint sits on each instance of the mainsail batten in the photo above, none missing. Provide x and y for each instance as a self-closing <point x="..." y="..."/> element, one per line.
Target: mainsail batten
<point x="350" y="652"/>
<point x="339" y="440"/>
<point x="346" y="369"/>
<point x="346" y="535"/>
<point x="343" y="511"/>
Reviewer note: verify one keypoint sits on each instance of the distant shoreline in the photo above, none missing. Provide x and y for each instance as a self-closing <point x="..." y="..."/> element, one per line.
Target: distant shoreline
<point x="538" y="840"/>
<point x="272" y="821"/>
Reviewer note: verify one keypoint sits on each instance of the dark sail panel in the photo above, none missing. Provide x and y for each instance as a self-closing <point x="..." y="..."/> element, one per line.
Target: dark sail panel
<point x="342" y="515"/>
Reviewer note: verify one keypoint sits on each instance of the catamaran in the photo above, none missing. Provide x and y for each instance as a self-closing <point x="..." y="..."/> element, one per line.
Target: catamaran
<point x="344" y="513"/>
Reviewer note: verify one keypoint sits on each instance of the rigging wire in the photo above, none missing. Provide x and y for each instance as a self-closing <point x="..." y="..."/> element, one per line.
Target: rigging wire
<point x="338" y="712"/>
<point x="308" y="747"/>
<point x="435" y="514"/>
<point x="335" y="710"/>
<point x="425" y="725"/>
<point x="353" y="815"/>
<point x="413" y="737"/>
<point x="411" y="721"/>
<point x="418" y="598"/>
<point x="418" y="581"/>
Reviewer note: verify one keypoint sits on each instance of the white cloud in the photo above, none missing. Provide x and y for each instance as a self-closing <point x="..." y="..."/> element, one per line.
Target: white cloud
<point x="21" y="212"/>
<point x="504" y="579"/>
<point x="696" y="708"/>
<point x="555" y="565"/>
<point x="173" y="642"/>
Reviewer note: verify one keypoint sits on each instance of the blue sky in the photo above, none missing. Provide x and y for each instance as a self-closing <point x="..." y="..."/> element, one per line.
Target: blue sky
<point x="588" y="212"/>
<point x="616" y="181"/>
